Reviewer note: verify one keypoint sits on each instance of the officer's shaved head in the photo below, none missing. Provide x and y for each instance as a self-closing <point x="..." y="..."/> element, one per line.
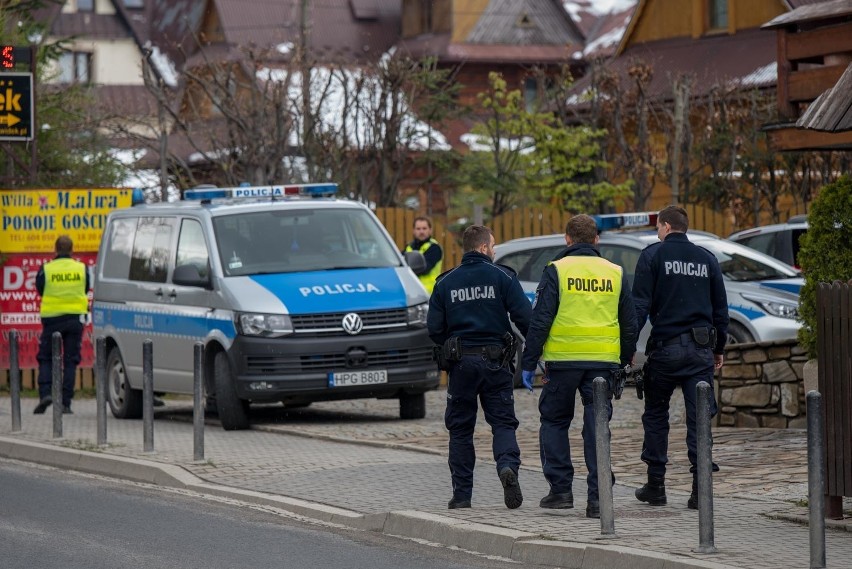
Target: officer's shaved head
<point x="582" y="229"/>
<point x="64" y="245"/>
<point x="475" y="237"/>
<point x="674" y="216"/>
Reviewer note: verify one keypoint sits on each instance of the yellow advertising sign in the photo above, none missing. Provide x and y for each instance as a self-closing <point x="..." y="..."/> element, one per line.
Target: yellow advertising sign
<point x="33" y="219"/>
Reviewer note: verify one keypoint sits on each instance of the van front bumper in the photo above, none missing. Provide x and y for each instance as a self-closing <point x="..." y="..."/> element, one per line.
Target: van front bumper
<point x="276" y="369"/>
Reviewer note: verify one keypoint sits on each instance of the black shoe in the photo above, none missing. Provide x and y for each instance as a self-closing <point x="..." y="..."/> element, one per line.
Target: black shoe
<point x="692" y="503"/>
<point x="512" y="496"/>
<point x="66" y="410"/>
<point x="593" y="509"/>
<point x="458" y="503"/>
<point x="159" y="402"/>
<point x="558" y="501"/>
<point x="654" y="492"/>
<point x="43" y="405"/>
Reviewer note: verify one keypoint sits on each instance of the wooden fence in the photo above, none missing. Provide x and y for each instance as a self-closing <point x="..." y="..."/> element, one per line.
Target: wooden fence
<point x="834" y="348"/>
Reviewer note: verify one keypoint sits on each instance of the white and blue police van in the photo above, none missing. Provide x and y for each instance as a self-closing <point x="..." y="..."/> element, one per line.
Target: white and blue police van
<point x="296" y="296"/>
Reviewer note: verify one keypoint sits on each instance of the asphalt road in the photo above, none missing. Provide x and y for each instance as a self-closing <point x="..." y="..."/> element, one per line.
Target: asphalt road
<point x="54" y="519"/>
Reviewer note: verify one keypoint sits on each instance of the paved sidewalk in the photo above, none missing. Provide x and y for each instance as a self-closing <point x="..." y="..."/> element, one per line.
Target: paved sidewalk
<point x="395" y="479"/>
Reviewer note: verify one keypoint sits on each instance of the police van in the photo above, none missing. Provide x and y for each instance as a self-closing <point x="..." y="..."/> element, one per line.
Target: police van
<point x="296" y="296"/>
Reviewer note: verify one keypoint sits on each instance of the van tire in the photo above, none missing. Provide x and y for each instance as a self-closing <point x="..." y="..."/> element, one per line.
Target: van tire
<point x="233" y="412"/>
<point x="412" y="406"/>
<point x="124" y="401"/>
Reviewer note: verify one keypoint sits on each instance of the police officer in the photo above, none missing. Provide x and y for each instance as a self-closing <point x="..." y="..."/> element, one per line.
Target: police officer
<point x="583" y="327"/>
<point x="468" y="309"/>
<point x="430" y="249"/>
<point x="63" y="284"/>
<point x="679" y="286"/>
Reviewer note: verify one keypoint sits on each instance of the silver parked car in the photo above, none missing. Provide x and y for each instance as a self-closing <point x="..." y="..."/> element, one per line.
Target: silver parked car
<point x="763" y="293"/>
<point x="780" y="240"/>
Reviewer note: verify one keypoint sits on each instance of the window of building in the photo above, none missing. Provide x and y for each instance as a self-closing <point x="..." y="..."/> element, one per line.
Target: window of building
<point x="134" y="4"/>
<point x="75" y="67"/>
<point x="85" y="5"/>
<point x="531" y="94"/>
<point x="718" y="14"/>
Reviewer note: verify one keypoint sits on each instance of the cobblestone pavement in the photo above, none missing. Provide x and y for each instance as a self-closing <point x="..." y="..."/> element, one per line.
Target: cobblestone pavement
<point x="763" y="473"/>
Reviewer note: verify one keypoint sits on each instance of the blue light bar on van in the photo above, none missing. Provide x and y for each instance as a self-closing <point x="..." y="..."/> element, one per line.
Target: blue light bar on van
<point x="246" y="192"/>
<point x="622" y="220"/>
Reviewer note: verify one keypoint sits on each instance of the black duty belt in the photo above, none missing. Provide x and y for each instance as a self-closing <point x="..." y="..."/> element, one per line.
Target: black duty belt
<point x="481" y="350"/>
<point x="680" y="340"/>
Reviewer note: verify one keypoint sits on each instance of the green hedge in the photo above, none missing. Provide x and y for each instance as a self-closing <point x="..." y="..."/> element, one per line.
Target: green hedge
<point x="826" y="251"/>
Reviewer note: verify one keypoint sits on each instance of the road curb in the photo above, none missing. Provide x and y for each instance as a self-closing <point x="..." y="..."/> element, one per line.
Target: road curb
<point x="512" y="544"/>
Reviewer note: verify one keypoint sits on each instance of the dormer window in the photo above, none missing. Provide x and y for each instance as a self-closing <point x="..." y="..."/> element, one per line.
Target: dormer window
<point x="134" y="4"/>
<point x="524" y="21"/>
<point x="717" y="14"/>
<point x="85" y="5"/>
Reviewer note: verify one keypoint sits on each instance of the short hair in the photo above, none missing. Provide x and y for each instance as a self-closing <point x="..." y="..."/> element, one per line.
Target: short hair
<point x="674" y="216"/>
<point x="64" y="245"/>
<point x="422" y="218"/>
<point x="582" y="229"/>
<point x="475" y="237"/>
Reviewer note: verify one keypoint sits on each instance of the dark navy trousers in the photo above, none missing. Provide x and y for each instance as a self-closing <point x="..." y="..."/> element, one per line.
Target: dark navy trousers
<point x="72" y="338"/>
<point x="679" y="365"/>
<point x="471" y="378"/>
<point x="556" y="406"/>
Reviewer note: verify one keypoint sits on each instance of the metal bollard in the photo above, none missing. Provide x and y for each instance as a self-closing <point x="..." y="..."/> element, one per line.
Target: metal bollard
<point x="600" y="392"/>
<point x="100" y="388"/>
<point x="14" y="381"/>
<point x="816" y="478"/>
<point x="148" y="396"/>
<point x="704" y="403"/>
<point x="56" y="385"/>
<point x="198" y="403"/>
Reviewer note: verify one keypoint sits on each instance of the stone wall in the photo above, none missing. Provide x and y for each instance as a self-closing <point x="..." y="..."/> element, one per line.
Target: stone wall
<point x="762" y="386"/>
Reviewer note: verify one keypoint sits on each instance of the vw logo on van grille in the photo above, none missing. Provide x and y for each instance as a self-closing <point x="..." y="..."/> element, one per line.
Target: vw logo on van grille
<point x="352" y="324"/>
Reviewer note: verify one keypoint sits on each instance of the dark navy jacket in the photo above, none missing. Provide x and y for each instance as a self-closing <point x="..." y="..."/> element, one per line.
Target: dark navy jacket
<point x="547" y="305"/>
<point x="472" y="301"/>
<point x="679" y="286"/>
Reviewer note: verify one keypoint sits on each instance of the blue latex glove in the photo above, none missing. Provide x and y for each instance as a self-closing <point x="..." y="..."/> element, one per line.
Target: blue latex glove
<point x="527" y="378"/>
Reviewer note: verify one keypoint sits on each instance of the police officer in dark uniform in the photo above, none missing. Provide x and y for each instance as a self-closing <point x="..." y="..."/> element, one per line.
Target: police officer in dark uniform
<point x="679" y="286"/>
<point x="469" y="317"/>
<point x="583" y="327"/>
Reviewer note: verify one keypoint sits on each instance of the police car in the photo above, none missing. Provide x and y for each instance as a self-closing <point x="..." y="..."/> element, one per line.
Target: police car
<point x="779" y="240"/>
<point x="763" y="293"/>
<point x="296" y="296"/>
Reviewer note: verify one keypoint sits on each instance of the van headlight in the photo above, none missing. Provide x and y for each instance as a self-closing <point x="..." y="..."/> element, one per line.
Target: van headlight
<point x="417" y="315"/>
<point x="266" y="325"/>
<point x="775" y="307"/>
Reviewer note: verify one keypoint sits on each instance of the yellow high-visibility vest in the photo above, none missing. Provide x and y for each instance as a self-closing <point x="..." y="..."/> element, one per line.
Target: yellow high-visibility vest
<point x="64" y="288"/>
<point x="586" y="324"/>
<point x="428" y="279"/>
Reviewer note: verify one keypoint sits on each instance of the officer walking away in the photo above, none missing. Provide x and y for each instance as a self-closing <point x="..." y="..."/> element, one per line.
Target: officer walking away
<point x="63" y="284"/>
<point x="430" y="249"/>
<point x="469" y="319"/>
<point x="679" y="286"/>
<point x="583" y="327"/>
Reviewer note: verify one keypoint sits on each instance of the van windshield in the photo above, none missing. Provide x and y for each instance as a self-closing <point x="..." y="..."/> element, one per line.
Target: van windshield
<point x="279" y="241"/>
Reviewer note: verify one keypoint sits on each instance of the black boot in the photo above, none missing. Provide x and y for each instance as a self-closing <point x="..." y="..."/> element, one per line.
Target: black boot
<point x="654" y="492"/>
<point x="692" y="503"/>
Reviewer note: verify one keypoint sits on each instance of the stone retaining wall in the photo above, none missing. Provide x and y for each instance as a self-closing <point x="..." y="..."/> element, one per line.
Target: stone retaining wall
<point x="762" y="386"/>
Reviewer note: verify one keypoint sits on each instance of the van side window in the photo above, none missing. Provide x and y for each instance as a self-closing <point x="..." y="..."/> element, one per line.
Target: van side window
<point x="117" y="262"/>
<point x="192" y="249"/>
<point x="150" y="260"/>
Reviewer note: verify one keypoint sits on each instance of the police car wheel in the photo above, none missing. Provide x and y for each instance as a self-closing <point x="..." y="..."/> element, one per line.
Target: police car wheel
<point x="737" y="334"/>
<point x="233" y="411"/>
<point x="124" y="401"/>
<point x="412" y="406"/>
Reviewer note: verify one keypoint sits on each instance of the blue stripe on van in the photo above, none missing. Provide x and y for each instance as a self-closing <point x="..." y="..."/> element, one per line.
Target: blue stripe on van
<point x="336" y="291"/>
<point x="132" y="319"/>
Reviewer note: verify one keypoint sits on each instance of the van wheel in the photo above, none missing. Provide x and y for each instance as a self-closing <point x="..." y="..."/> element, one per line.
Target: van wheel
<point x="233" y="411"/>
<point x="124" y="401"/>
<point x="412" y="406"/>
<point x="737" y="334"/>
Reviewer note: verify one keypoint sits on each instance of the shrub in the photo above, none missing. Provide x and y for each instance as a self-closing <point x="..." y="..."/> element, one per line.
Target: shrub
<point x="826" y="252"/>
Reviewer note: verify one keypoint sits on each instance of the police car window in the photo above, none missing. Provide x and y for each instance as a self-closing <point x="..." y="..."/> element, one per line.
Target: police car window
<point x="624" y="257"/>
<point x="764" y="243"/>
<point x="739" y="263"/>
<point x="535" y="267"/>
<point x="517" y="261"/>
<point x="116" y="264"/>
<point x="192" y="249"/>
<point x="280" y="241"/>
<point x="797" y="234"/>
<point x="150" y="259"/>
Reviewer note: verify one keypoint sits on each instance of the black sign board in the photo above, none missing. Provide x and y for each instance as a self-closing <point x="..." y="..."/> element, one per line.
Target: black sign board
<point x="16" y="108"/>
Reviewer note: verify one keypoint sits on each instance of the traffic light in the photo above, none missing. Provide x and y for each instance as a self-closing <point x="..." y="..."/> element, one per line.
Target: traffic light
<point x="11" y="55"/>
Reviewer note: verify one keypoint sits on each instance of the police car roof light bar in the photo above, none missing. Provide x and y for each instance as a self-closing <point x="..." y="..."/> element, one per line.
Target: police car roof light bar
<point x="622" y="220"/>
<point x="249" y="192"/>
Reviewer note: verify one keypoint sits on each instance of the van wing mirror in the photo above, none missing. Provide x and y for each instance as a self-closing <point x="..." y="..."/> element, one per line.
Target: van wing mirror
<point x="416" y="261"/>
<point x="188" y="275"/>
